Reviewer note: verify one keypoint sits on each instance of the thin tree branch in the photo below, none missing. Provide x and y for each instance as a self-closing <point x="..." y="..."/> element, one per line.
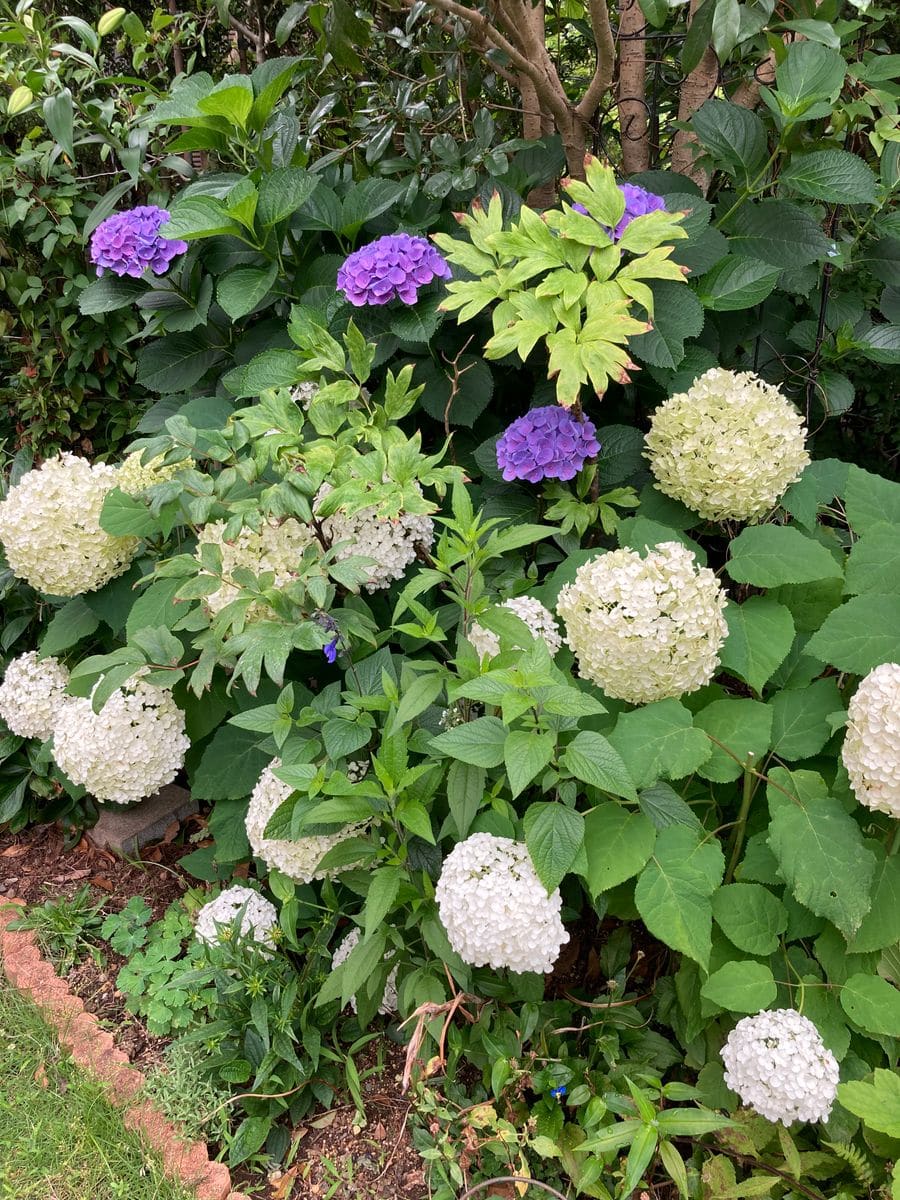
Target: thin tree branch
<point x="606" y="59"/>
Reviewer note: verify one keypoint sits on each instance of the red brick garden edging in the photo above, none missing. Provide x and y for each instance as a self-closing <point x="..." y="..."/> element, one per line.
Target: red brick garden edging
<point x="93" y="1049"/>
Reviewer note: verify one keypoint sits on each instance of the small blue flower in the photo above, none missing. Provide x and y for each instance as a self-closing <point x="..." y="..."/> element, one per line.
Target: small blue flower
<point x="330" y="651"/>
<point x="557" y="1093"/>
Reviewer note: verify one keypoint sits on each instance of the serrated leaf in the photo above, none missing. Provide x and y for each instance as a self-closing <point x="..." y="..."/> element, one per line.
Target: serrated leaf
<point x="872" y="1003"/>
<point x="860" y="635"/>
<point x="591" y="758"/>
<point x="777" y="232"/>
<point x="871" y="500"/>
<point x="68" y="626"/>
<point x="836" y="176"/>
<point x="241" y="290"/>
<point x="741" y="986"/>
<point x="735" y="283"/>
<point x="659" y="741"/>
<point x="743" y="726"/>
<point x="554" y="835"/>
<point x="881" y="925"/>
<point x="750" y="916"/>
<point x="525" y="754"/>
<point x="673" y="891"/>
<point x="876" y="1101"/>
<point x="760" y="635"/>
<point x="800" y="725"/>
<point x="771" y="555"/>
<point x="479" y="742"/>
<point x="617" y="845"/>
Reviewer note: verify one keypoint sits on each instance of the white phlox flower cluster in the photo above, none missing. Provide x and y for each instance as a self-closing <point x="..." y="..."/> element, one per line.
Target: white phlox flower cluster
<point x="276" y="547"/>
<point x="780" y="1067"/>
<point x="871" y="750"/>
<point x="128" y="750"/>
<point x="219" y="917"/>
<point x="495" y="909"/>
<point x="647" y="628"/>
<point x="32" y="693"/>
<point x="389" y="1001"/>
<point x="134" y="476"/>
<point x="538" y="619"/>
<point x="50" y="528"/>
<point x="729" y="447"/>
<point x="391" y="542"/>
<point x="297" y="858"/>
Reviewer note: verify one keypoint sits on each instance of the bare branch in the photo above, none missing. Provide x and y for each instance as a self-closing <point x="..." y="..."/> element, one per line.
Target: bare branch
<point x="606" y="58"/>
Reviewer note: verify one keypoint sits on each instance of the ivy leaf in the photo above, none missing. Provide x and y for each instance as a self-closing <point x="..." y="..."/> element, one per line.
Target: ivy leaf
<point x="760" y="635"/>
<point x="771" y="555"/>
<point x="617" y="845"/>
<point x="554" y="835"/>
<point x="659" y="741"/>
<point x="673" y="891"/>
<point x="872" y="1003"/>
<point x="741" y="986"/>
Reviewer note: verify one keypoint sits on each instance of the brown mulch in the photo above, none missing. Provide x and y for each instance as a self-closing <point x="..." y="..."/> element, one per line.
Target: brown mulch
<point x="374" y="1161"/>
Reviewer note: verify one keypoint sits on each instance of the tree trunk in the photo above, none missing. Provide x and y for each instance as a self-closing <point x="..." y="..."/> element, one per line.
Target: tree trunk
<point x="631" y="90"/>
<point x="536" y="121"/>
<point x="695" y="91"/>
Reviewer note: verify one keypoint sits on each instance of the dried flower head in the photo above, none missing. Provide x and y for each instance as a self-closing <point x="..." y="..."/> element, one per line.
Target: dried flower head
<point x="538" y="619"/>
<point x="546" y="443"/>
<point x="128" y="243"/>
<point x="393" y="266"/>
<point x="871" y="750"/>
<point x="32" y="693"/>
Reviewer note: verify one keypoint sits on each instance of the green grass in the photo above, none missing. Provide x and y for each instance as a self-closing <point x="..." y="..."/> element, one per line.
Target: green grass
<point x="59" y="1137"/>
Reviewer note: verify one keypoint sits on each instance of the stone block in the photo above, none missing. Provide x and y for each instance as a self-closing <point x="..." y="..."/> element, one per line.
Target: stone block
<point x="126" y="828"/>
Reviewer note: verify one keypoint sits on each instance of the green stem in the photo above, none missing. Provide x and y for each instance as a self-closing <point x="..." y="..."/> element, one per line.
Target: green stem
<point x="737" y="837"/>
<point x="895" y="841"/>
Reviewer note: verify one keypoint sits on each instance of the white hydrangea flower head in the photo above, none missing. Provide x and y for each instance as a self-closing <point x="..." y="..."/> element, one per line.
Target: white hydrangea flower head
<point x="304" y="394"/>
<point x="128" y="750"/>
<point x="357" y="770"/>
<point x="390" y="1002"/>
<point x="297" y="858"/>
<point x="219" y="917"/>
<point x="495" y="909"/>
<point x="871" y="750"/>
<point x="538" y="619"/>
<point x="780" y="1067"/>
<point x="276" y="547"/>
<point x="644" y="629"/>
<point x="134" y="476"/>
<point x="729" y="447"/>
<point x="391" y="542"/>
<point x="32" y="693"/>
<point x="50" y="528"/>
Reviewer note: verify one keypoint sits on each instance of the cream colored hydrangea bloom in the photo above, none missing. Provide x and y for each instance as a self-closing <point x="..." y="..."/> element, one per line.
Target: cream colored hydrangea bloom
<point x="128" y="750"/>
<point x="50" y="528"/>
<point x="729" y="447"/>
<point x="276" y="547"/>
<point x="32" y="693"/>
<point x="391" y="542"/>
<point x="135" y="476"/>
<point x="645" y="628"/>
<point x="390" y="1002"/>
<point x="871" y="750"/>
<point x="538" y="619"/>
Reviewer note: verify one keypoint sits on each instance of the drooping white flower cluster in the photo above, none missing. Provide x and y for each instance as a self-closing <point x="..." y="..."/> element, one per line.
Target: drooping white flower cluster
<point x="32" y="693"/>
<point x="128" y="750"/>
<point x="778" y="1064"/>
<point x="871" y="750"/>
<point x="538" y="619"/>
<point x="50" y="528"/>
<point x="495" y="909"/>
<point x="391" y="542"/>
<point x="297" y="858"/>
<point x="276" y="547"/>
<point x="390" y="1002"/>
<point x="134" y="476"/>
<point x="217" y="921"/>
<point x="645" y="628"/>
<point x="729" y="447"/>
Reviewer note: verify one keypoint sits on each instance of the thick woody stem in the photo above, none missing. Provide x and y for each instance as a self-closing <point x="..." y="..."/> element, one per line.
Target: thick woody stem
<point x="606" y="60"/>
<point x="695" y="91"/>
<point x="632" y="88"/>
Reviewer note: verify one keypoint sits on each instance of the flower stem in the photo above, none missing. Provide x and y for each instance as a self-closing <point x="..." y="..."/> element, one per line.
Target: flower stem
<point x="895" y="841"/>
<point x="737" y="837"/>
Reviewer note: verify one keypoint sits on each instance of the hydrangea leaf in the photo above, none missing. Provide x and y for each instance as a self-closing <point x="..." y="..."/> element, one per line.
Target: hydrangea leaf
<point x="554" y="834"/>
<point x="871" y="500"/>
<point x="881" y="925"/>
<point x="876" y="1101"/>
<point x="860" y="635"/>
<point x="673" y="891"/>
<point x="743" y="726"/>
<point x="874" y="562"/>
<point x="751" y="917"/>
<point x="741" y="986"/>
<point x="69" y="625"/>
<point x="771" y="555"/>
<point x="800" y="725"/>
<point x="659" y="741"/>
<point x="591" y="758"/>
<point x="617" y="844"/>
<point x="526" y="753"/>
<point x="872" y="1003"/>
<point x="760" y="635"/>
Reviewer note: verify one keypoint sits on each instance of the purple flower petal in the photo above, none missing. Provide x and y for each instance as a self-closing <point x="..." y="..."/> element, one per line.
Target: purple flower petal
<point x="392" y="267"/>
<point x="129" y="243"/>
<point x="547" y="443"/>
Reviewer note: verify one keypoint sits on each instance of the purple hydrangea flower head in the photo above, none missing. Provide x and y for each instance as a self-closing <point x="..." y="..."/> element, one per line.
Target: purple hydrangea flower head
<point x="638" y="202"/>
<point x="547" y="443"/>
<point x="395" y="265"/>
<point x="127" y="243"/>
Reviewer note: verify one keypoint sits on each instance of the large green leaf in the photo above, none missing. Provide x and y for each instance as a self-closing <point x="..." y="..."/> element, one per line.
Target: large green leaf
<point x="673" y="891"/>
<point x="526" y="753"/>
<point x="750" y="916"/>
<point x="175" y="363"/>
<point x="736" y="282"/>
<point x="479" y="743"/>
<point x="833" y="175"/>
<point x="199" y="217"/>
<point x="877" y="1102"/>
<point x="778" y="232"/>
<point x="860" y="635"/>
<point x="677" y="315"/>
<point x="743" y="727"/>
<point x="881" y="925"/>
<point x="230" y="766"/>
<point x="881" y="344"/>
<point x="591" y="758"/>
<point x="241" y="290"/>
<point x="617" y="845"/>
<point x="770" y="555"/>
<point x="872" y="1003"/>
<point x="760" y="634"/>
<point x="659" y="741"/>
<point x="871" y="500"/>
<point x="282" y="192"/>
<point x="743" y="987"/>
<point x="109" y="293"/>
<point x="68" y="626"/>
<point x="554" y="835"/>
<point x="809" y="71"/>
<point x="155" y="607"/>
<point x="734" y="136"/>
<point x="874" y="562"/>
<point x="800" y="725"/>
<point x="820" y="849"/>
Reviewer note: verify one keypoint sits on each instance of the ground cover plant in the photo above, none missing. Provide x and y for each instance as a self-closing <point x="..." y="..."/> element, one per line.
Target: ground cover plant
<point x="490" y="577"/>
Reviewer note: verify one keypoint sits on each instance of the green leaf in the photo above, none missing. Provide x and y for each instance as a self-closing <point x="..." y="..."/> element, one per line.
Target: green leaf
<point x="124" y="516"/>
<point x="726" y="28"/>
<point x="760" y="634"/>
<point x="175" y="363"/>
<point x="419" y="322"/>
<point x="836" y="176"/>
<point x="383" y="889"/>
<point x="199" y="217"/>
<point x="241" y="290"/>
<point x="473" y="394"/>
<point x="881" y="344"/>
<point x="591" y="758"/>
<point x="777" y="232"/>
<point x="344" y="737"/>
<point x="881" y="925"/>
<point x="659" y="741"/>
<point x="750" y="916"/>
<point x="698" y="36"/>
<point x="736" y="283"/>
<point x="872" y="1003"/>
<point x="365" y="201"/>
<point x="673" y="891"/>
<point x="232" y="99"/>
<point x="734" y="136"/>
<point x="226" y="824"/>
<point x="770" y="555"/>
<point x="414" y="699"/>
<point x="69" y="625"/>
<point x="154" y="607"/>
<point x="230" y="765"/>
<point x="248" y="1139"/>
<point x="874" y="562"/>
<point x="800" y="725"/>
<point x="59" y="115"/>
<point x="677" y="315"/>
<point x="877" y="1101"/>
<point x="108" y="294"/>
<point x="809" y="71"/>
<point x="860" y="635"/>
<point x="744" y="726"/>
<point x="526" y="753"/>
<point x="282" y="192"/>
<point x="465" y="794"/>
<point x="871" y="500"/>
<point x="820" y="850"/>
<point x="617" y="845"/>
<point x="479" y="742"/>
<point x="741" y="986"/>
<point x="554" y="835"/>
